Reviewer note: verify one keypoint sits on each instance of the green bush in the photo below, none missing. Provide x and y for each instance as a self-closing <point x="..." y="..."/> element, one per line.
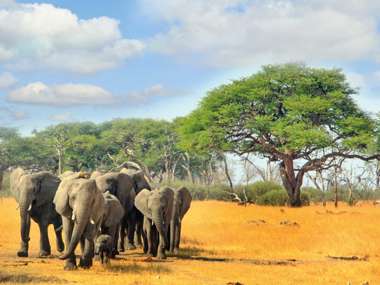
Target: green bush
<point x="313" y="194"/>
<point x="305" y="199"/>
<point x="5" y="190"/>
<point x="258" y="189"/>
<point x="273" y="198"/>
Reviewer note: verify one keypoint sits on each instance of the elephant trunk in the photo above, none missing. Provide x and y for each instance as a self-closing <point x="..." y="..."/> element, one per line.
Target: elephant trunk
<point x="161" y="228"/>
<point x="25" y="224"/>
<point x="81" y="220"/>
<point x="25" y="209"/>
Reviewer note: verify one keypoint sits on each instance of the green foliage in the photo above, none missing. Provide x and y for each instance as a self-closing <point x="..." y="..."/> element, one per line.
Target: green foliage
<point x="5" y="187"/>
<point x="291" y="108"/>
<point x="257" y="189"/>
<point x="273" y="198"/>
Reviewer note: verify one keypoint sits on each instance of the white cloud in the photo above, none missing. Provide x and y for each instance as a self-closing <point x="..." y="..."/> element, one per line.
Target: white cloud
<point x="7" y="80"/>
<point x="240" y="33"/>
<point x="61" y="95"/>
<point x="44" y="36"/>
<point x="155" y="91"/>
<point x="64" y="117"/>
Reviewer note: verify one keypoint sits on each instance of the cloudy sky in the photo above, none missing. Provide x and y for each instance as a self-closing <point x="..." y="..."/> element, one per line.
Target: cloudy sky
<point x="91" y="60"/>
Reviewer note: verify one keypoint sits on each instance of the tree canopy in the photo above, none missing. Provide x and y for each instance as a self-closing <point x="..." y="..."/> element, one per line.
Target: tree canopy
<point x="304" y="118"/>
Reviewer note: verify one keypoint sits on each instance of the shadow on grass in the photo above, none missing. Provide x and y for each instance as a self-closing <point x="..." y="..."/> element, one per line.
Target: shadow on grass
<point x="21" y="278"/>
<point x="137" y="268"/>
<point x="192" y="251"/>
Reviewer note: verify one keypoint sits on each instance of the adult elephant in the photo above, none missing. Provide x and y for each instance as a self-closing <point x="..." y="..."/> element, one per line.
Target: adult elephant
<point x="81" y="206"/>
<point x="113" y="213"/>
<point x="121" y="186"/>
<point x="34" y="193"/>
<point x="140" y="182"/>
<point x="157" y="208"/>
<point x="181" y="204"/>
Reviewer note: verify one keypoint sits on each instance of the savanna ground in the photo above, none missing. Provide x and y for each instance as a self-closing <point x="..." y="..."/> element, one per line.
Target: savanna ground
<point x="224" y="243"/>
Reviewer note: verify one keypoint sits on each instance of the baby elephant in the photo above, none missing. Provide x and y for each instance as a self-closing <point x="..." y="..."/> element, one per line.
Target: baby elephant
<point x="103" y="248"/>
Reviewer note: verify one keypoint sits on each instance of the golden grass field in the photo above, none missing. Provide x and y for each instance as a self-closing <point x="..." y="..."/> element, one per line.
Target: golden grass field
<point x="224" y="243"/>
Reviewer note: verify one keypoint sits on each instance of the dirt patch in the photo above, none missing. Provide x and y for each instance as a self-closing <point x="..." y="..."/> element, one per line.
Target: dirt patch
<point x="22" y="278"/>
<point x="349" y="258"/>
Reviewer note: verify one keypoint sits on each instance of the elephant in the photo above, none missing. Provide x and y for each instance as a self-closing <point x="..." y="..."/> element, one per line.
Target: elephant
<point x="34" y="193"/>
<point x="181" y="204"/>
<point x="156" y="206"/>
<point x="95" y="174"/>
<point x="121" y="186"/>
<point x="81" y="206"/>
<point x="113" y="213"/>
<point x="140" y="182"/>
<point x="104" y="248"/>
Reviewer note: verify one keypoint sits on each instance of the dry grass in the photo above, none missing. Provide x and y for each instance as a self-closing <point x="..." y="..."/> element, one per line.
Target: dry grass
<point x="225" y="243"/>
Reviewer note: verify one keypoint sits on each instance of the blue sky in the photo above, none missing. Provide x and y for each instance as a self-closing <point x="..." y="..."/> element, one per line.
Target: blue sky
<point x="98" y="60"/>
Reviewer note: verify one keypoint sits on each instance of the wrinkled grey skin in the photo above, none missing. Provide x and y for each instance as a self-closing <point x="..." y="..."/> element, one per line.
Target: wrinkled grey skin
<point x="113" y="213"/>
<point x="121" y="186"/>
<point x="34" y="194"/>
<point x="81" y="206"/>
<point x="157" y="208"/>
<point x="181" y="204"/>
<point x="103" y="248"/>
<point x="140" y="182"/>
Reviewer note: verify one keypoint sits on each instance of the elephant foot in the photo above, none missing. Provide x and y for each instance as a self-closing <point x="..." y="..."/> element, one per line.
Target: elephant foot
<point x="114" y="253"/>
<point x="44" y="253"/>
<point x="176" y="251"/>
<point x="85" y="263"/>
<point x="161" y="255"/>
<point x="70" y="265"/>
<point x="22" y="253"/>
<point x="131" y="246"/>
<point x="60" y="247"/>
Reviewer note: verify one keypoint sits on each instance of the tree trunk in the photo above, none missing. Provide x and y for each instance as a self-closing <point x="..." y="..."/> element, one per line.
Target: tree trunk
<point x="60" y="161"/>
<point x="291" y="183"/>
<point x="227" y="172"/>
<point x="1" y="180"/>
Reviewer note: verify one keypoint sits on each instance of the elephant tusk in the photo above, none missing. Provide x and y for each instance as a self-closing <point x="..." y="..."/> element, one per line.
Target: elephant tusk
<point x="30" y="208"/>
<point x="92" y="222"/>
<point x="73" y="217"/>
<point x="60" y="228"/>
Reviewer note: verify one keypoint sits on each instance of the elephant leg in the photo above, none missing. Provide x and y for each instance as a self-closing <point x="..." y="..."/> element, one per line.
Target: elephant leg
<point x="155" y="238"/>
<point x="70" y="263"/>
<point x="113" y="232"/>
<point x="177" y="238"/>
<point x="138" y="231"/>
<point x="145" y="241"/>
<point x="45" y="249"/>
<point x="121" y="235"/>
<point x="57" y="223"/>
<point x="131" y="224"/>
<point x="149" y="237"/>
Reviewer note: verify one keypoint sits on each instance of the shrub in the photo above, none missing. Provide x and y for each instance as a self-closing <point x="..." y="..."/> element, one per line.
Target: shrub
<point x="305" y="199"/>
<point x="313" y="194"/>
<point x="258" y="189"/>
<point x="5" y="189"/>
<point x="273" y="198"/>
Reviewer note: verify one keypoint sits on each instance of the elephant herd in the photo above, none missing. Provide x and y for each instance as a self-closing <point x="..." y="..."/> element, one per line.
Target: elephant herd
<point x="99" y="211"/>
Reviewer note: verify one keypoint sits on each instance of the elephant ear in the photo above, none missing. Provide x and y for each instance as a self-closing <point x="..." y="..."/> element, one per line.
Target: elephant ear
<point x="98" y="208"/>
<point x="114" y="210"/>
<point x="46" y="185"/>
<point x="14" y="181"/>
<point x="141" y="203"/>
<point x="61" y="198"/>
<point x="168" y="194"/>
<point x="185" y="196"/>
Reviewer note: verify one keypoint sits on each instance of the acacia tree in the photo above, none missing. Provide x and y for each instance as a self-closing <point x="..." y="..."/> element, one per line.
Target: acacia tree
<point x="302" y="118"/>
